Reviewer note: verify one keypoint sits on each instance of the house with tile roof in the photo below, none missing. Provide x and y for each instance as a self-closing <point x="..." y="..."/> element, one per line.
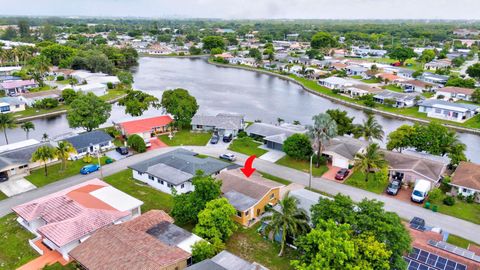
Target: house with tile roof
<point x="466" y="180"/>
<point x="90" y="143"/>
<point x="417" y="86"/>
<point x="148" y="242"/>
<point x="273" y="136"/>
<point x="13" y="88"/>
<point x="221" y="123"/>
<point x="146" y="127"/>
<point x="226" y="261"/>
<point x="454" y="93"/>
<point x="62" y="220"/>
<point x="399" y="100"/>
<point x="248" y="195"/>
<point x="175" y="169"/>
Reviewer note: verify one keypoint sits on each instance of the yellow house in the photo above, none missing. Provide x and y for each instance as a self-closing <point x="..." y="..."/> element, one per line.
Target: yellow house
<point x="249" y="195"/>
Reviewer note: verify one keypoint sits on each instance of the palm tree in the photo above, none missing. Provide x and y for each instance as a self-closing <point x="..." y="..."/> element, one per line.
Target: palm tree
<point x="63" y="150"/>
<point x="370" y="160"/>
<point x="44" y="154"/>
<point x="280" y="121"/>
<point x="324" y="128"/>
<point x="289" y="220"/>
<point x="27" y="126"/>
<point x="45" y="137"/>
<point x="6" y="121"/>
<point x="371" y="129"/>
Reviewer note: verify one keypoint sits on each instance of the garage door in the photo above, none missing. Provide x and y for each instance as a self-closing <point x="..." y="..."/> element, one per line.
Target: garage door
<point x="340" y="162"/>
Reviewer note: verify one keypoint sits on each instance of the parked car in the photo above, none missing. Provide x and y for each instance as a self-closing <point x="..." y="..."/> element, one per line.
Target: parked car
<point x="394" y="187"/>
<point x="147" y="143"/>
<point x="214" y="139"/>
<point x="122" y="150"/>
<point x="3" y="177"/>
<point x="342" y="174"/>
<point x="420" y="191"/>
<point x="87" y="169"/>
<point x="227" y="137"/>
<point x="228" y="156"/>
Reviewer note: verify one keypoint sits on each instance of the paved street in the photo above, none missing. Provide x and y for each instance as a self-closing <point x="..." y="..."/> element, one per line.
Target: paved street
<point x="464" y="67"/>
<point x="453" y="225"/>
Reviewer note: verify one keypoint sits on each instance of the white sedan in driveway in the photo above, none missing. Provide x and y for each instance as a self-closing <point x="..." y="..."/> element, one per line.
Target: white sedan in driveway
<point x="228" y="156"/>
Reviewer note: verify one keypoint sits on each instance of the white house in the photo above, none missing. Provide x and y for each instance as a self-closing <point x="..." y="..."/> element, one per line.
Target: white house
<point x="11" y="104"/>
<point x="334" y="83"/>
<point x="466" y="180"/>
<point x="92" y="143"/>
<point x="455" y="93"/>
<point x="458" y="112"/>
<point x="221" y="123"/>
<point x="342" y="151"/>
<point x="417" y="86"/>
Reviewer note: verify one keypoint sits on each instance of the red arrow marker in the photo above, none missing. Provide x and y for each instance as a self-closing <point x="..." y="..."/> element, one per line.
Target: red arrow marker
<point x="247" y="168"/>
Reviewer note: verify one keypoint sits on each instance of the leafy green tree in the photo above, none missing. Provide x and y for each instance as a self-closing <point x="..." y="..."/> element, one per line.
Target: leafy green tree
<point x="181" y="105"/>
<point x="371" y="129"/>
<point x="7" y="121"/>
<point x="459" y="82"/>
<point x="402" y="54"/>
<point x="27" y="126"/>
<point x="344" y="123"/>
<point x="164" y="38"/>
<point x="63" y="151"/>
<point x="474" y="71"/>
<point x="137" y="102"/>
<point x="401" y="138"/>
<point x="137" y="143"/>
<point x="125" y="77"/>
<point x="255" y="53"/>
<point x="324" y="128"/>
<point x="69" y="95"/>
<point x="216" y="51"/>
<point x="9" y="34"/>
<point x="24" y="29"/>
<point x="476" y="95"/>
<point x="193" y="50"/>
<point x="288" y="220"/>
<point x="427" y="56"/>
<point x="202" y="250"/>
<point x="216" y="220"/>
<point x="323" y="40"/>
<point x="211" y="42"/>
<point x="44" y="154"/>
<point x="298" y="146"/>
<point x="56" y="53"/>
<point x="88" y="111"/>
<point x="370" y="160"/>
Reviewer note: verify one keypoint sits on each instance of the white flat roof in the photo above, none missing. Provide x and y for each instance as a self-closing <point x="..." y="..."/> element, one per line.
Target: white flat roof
<point x="189" y="242"/>
<point x="17" y="145"/>
<point x="116" y="198"/>
<point x="451" y="108"/>
<point x="3" y="69"/>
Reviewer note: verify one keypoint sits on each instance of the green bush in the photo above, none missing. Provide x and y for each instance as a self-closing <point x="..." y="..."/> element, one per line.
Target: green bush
<point x="242" y="134"/>
<point x="449" y="200"/>
<point x="60" y="78"/>
<point x="110" y="85"/>
<point x="470" y="199"/>
<point x="46" y="103"/>
<point x="137" y="143"/>
<point x="69" y="95"/>
<point x="298" y="146"/>
<point x="435" y="194"/>
<point x="112" y="131"/>
<point x="322" y="160"/>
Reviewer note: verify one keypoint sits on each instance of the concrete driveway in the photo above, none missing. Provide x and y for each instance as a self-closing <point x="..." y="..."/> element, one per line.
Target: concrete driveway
<point x="272" y="155"/>
<point x="16" y="186"/>
<point x="113" y="154"/>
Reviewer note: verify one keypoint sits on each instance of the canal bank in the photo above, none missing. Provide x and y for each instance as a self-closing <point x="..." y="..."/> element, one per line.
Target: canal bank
<point x="347" y="103"/>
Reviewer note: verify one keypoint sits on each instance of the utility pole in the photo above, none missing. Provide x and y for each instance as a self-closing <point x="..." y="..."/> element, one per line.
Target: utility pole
<point x="310" y="179"/>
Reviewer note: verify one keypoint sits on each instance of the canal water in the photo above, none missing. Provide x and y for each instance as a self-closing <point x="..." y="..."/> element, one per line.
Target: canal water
<point x="219" y="89"/>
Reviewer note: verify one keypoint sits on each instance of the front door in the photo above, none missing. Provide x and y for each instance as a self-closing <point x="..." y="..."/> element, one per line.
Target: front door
<point x="258" y="212"/>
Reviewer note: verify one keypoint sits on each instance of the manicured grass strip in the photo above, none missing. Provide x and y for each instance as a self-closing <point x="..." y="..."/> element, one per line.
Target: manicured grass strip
<point x="461" y="209"/>
<point x="357" y="179"/>
<point x="14" y="248"/>
<point x="275" y="178"/>
<point x="186" y="137"/>
<point x="248" y="244"/>
<point x="38" y="178"/>
<point x="302" y="165"/>
<point x="152" y="198"/>
<point x="247" y="146"/>
<point x="3" y="196"/>
<point x="459" y="241"/>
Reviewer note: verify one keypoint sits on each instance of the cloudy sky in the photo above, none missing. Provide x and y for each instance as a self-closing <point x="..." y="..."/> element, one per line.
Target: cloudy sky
<point x="250" y="9"/>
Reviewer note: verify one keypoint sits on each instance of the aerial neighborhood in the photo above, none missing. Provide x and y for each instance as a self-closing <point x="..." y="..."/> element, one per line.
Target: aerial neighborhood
<point x="207" y="144"/>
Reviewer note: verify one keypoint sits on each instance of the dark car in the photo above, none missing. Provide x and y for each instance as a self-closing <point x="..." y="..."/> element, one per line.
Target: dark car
<point x="3" y="177"/>
<point x="214" y="139"/>
<point x="394" y="187"/>
<point x="342" y="174"/>
<point x="122" y="150"/>
<point x="227" y="137"/>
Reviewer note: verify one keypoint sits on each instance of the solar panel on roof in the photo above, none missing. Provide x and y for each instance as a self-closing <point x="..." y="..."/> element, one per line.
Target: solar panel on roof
<point x="419" y="259"/>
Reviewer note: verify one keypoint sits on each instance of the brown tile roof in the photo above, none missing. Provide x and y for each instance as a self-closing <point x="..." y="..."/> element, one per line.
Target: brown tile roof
<point x="42" y="93"/>
<point x="467" y="175"/>
<point x="428" y="168"/>
<point x="418" y="83"/>
<point x="254" y="186"/>
<point x="128" y="246"/>
<point x="457" y="90"/>
<point x="368" y="88"/>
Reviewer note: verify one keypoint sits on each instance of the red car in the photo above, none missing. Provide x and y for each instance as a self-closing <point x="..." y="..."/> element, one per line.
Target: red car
<point x="342" y="174"/>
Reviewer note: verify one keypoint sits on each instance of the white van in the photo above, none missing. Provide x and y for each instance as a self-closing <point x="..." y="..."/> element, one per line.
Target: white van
<point x="420" y="191"/>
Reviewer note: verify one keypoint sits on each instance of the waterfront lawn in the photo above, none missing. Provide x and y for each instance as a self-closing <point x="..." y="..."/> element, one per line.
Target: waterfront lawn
<point x="357" y="179"/>
<point x="38" y="178"/>
<point x="275" y="178"/>
<point x="461" y="209"/>
<point x="33" y="111"/>
<point x="152" y="198"/>
<point x="459" y="241"/>
<point x="186" y="137"/>
<point x="14" y="248"/>
<point x="247" y="146"/>
<point x="248" y="244"/>
<point x="113" y="94"/>
<point x="302" y="165"/>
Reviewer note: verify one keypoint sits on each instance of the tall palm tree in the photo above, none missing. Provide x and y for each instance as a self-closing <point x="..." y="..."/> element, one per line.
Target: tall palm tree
<point x="371" y="129"/>
<point x="44" y="154"/>
<point x="27" y="126"/>
<point x="280" y="121"/>
<point x="6" y="121"/>
<point x="289" y="220"/>
<point x="63" y="150"/>
<point x="45" y="137"/>
<point x="324" y="128"/>
<point x="370" y="160"/>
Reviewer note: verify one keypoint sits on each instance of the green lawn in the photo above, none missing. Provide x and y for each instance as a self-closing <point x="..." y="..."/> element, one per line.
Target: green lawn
<point x="3" y="196"/>
<point x="112" y="94"/>
<point x="38" y="178"/>
<point x="357" y="77"/>
<point x="185" y="137"/>
<point x="373" y="80"/>
<point x="14" y="248"/>
<point x="247" y="146"/>
<point x="357" y="179"/>
<point x="33" y="111"/>
<point x="152" y="198"/>
<point x="392" y="87"/>
<point x="302" y="165"/>
<point x="248" y="244"/>
<point x="461" y="209"/>
<point x="459" y="241"/>
<point x="275" y="178"/>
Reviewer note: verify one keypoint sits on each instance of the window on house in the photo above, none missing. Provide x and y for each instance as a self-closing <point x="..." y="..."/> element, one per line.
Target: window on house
<point x="182" y="186"/>
<point x="161" y="182"/>
<point x="272" y="196"/>
<point x="246" y="213"/>
<point x="239" y="214"/>
<point x="151" y="177"/>
<point x="169" y="185"/>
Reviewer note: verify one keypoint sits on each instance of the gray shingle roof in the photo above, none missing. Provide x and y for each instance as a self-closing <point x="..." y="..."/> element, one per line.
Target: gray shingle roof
<point x="221" y="120"/>
<point x="19" y="156"/>
<point x="426" y="167"/>
<point x="345" y="147"/>
<point x="84" y="140"/>
<point x="240" y="201"/>
<point x="169" y="233"/>
<point x="431" y="102"/>
<point x="395" y="95"/>
<point x="179" y="160"/>
<point x="265" y="130"/>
